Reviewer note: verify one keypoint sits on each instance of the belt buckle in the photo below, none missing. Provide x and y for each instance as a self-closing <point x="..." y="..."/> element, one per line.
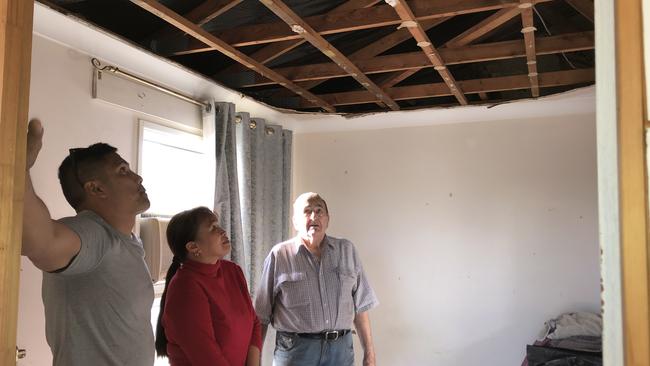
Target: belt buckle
<point x="335" y="334"/>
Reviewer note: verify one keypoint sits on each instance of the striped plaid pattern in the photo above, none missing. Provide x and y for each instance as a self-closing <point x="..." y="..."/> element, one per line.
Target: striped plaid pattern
<point x="300" y="293"/>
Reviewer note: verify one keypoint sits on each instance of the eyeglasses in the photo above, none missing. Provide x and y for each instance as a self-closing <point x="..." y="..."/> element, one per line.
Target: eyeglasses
<point x="74" y="160"/>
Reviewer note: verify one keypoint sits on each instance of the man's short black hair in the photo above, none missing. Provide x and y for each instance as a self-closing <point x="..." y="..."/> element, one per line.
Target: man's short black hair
<point x="80" y="166"/>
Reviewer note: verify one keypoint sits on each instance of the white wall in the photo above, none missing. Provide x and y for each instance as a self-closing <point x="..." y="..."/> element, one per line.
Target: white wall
<point x="472" y="235"/>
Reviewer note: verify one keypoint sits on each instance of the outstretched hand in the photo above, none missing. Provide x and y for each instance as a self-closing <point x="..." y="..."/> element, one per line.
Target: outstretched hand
<point x="34" y="141"/>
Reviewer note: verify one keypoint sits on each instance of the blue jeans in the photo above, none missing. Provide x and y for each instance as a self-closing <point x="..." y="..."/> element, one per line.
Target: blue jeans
<point x="292" y="350"/>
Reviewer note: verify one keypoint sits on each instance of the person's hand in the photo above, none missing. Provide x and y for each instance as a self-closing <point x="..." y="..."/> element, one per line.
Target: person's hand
<point x="34" y="141"/>
<point x="369" y="359"/>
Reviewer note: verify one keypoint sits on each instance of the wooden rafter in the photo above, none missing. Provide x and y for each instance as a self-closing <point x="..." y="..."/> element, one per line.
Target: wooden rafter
<point x="483" y="28"/>
<point x="383" y="44"/>
<point x="518" y="82"/>
<point x="275" y="50"/>
<point x="412" y="24"/>
<point x="391" y="40"/>
<point x="584" y="7"/>
<point x="201" y="14"/>
<point x="474" y="33"/>
<point x="416" y="60"/>
<point x="528" y="29"/>
<point x="210" y="9"/>
<point x="299" y="26"/>
<point x="366" y="18"/>
<point x="200" y="34"/>
<point x="397" y="77"/>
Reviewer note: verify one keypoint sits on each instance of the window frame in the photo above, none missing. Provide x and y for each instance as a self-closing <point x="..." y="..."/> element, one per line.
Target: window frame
<point x="187" y="133"/>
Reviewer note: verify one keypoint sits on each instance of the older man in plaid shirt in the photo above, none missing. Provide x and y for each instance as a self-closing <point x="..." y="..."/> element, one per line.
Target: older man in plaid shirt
<point x="313" y="288"/>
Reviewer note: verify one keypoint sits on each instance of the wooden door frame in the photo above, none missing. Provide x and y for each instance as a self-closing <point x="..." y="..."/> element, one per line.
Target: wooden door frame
<point x="16" y="27"/>
<point x="630" y="89"/>
<point x="623" y="202"/>
<point x="622" y="174"/>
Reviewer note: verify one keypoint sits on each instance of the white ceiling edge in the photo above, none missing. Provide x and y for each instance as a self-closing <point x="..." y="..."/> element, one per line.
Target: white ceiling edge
<point x="108" y="48"/>
<point x="575" y="102"/>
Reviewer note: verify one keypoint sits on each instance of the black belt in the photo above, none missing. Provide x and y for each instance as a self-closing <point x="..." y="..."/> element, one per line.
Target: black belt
<point x="329" y="335"/>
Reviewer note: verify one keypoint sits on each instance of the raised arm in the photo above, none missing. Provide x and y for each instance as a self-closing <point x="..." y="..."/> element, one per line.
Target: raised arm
<point x="49" y="244"/>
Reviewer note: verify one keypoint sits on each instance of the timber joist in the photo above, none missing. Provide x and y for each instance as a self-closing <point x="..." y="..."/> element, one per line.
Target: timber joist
<point x="445" y="50"/>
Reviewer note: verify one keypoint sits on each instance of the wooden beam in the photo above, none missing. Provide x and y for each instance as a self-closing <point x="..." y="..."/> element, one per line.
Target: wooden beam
<point x="16" y="17"/>
<point x="201" y="14"/>
<point x="308" y="33"/>
<point x="558" y="78"/>
<point x="633" y="179"/>
<point x="584" y="7"/>
<point x="374" y="17"/>
<point x="396" y="38"/>
<point x="209" y="10"/>
<point x="528" y="29"/>
<point x="194" y="30"/>
<point x="416" y="60"/>
<point x="275" y="50"/>
<point x="391" y="40"/>
<point x="483" y="28"/>
<point x="397" y="77"/>
<point x="381" y="45"/>
<point x="410" y="21"/>
<point x="477" y="31"/>
<point x="206" y="14"/>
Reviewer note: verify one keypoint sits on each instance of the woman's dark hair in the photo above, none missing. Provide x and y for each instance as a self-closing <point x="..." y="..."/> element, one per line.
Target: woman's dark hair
<point x="182" y="229"/>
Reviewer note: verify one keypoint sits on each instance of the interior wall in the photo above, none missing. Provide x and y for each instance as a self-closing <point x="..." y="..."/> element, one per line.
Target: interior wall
<point x="473" y="235"/>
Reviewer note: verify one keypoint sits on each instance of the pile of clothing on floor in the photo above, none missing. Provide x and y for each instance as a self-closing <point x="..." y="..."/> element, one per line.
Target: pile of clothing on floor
<point x="572" y="339"/>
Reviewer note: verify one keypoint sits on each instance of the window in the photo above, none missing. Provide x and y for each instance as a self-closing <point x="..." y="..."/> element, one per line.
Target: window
<point x="176" y="171"/>
<point x="178" y="175"/>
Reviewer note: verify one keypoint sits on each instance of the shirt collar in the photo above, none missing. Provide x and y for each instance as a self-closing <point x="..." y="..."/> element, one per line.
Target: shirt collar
<point x="297" y="242"/>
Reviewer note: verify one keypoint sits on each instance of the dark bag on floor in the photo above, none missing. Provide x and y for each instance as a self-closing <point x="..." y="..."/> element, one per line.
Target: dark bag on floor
<point x="548" y="356"/>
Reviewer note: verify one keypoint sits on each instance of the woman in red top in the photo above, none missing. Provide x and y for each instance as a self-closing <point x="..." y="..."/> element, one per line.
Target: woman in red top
<point x="206" y="316"/>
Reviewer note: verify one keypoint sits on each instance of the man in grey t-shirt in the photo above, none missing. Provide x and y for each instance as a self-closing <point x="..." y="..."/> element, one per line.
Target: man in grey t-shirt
<point x="97" y="290"/>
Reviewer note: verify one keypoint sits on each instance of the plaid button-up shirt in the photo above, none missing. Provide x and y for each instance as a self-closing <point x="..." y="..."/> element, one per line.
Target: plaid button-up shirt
<point x="299" y="293"/>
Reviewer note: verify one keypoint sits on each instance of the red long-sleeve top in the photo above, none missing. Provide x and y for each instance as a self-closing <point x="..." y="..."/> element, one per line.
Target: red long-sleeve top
<point x="208" y="317"/>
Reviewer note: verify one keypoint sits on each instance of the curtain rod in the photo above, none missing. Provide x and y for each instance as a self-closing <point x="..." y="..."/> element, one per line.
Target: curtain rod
<point x="114" y="69"/>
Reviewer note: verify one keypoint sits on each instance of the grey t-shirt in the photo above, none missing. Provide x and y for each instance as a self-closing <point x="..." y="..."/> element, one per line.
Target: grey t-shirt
<point x="98" y="310"/>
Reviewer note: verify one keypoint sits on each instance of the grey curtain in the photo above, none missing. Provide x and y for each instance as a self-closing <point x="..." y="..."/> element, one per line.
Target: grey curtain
<point x="253" y="185"/>
<point x="226" y="195"/>
<point x="264" y="176"/>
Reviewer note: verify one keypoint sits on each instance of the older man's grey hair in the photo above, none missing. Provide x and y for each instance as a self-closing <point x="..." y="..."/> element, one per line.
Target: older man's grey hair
<point x="310" y="197"/>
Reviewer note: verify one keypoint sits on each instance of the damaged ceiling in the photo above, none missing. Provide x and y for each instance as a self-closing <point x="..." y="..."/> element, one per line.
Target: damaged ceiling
<point x="359" y="56"/>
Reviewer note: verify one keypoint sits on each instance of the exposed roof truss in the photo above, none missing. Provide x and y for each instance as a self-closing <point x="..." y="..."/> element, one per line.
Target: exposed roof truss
<point x="355" y="56"/>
